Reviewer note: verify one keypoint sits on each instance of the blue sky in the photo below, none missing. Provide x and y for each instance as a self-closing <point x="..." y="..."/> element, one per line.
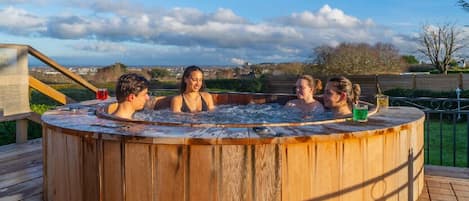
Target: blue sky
<point x="203" y="32"/>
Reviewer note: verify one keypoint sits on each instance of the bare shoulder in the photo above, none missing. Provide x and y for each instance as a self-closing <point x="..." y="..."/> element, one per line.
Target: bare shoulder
<point x="206" y="95"/>
<point x="176" y="99"/>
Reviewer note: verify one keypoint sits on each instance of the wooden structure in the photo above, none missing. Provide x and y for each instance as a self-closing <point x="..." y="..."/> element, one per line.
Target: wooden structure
<point x="14" y="88"/>
<point x="89" y="158"/>
<point x="21" y="176"/>
<point x="21" y="171"/>
<point x="434" y="82"/>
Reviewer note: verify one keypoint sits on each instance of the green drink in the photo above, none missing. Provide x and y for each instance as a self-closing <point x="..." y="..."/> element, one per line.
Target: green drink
<point x="360" y="113"/>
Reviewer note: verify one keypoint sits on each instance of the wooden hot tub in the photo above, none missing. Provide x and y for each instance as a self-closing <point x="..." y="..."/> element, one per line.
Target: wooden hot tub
<point x="87" y="158"/>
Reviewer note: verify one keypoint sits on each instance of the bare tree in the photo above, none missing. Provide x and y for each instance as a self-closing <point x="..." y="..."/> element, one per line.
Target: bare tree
<point x="464" y="4"/>
<point x="440" y="43"/>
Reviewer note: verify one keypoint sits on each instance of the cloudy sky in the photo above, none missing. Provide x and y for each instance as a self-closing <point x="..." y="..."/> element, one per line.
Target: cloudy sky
<point x="208" y="32"/>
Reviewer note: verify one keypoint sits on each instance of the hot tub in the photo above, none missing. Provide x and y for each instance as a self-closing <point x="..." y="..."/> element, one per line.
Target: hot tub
<point x="88" y="158"/>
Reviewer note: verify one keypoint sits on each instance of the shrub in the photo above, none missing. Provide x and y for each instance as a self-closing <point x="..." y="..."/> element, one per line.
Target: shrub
<point x="241" y="85"/>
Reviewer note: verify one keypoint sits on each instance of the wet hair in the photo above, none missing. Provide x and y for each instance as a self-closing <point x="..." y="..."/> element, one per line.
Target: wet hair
<point x="130" y="83"/>
<point x="344" y="85"/>
<point x="187" y="72"/>
<point x="315" y="84"/>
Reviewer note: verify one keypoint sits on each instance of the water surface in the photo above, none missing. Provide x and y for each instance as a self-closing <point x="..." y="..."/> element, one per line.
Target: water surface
<point x="234" y="114"/>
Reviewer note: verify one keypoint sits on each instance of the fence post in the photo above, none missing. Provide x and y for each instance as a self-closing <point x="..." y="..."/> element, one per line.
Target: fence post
<point x="21" y="131"/>
<point x="414" y="81"/>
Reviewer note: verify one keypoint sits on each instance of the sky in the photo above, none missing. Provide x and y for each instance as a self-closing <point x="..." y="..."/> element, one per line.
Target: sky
<point x="208" y="32"/>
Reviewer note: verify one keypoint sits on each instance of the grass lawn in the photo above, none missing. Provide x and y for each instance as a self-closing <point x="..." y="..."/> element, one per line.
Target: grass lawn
<point x="445" y="139"/>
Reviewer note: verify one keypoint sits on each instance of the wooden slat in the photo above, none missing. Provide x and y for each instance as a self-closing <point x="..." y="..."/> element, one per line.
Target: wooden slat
<point x="20" y="176"/>
<point x="352" y="170"/>
<point x="112" y="171"/>
<point x="90" y="170"/>
<point x="74" y="170"/>
<point x="327" y="171"/>
<point x="21" y="130"/>
<point x="454" y="172"/>
<point x="22" y="190"/>
<point x="202" y="172"/>
<point x="390" y="161"/>
<point x="62" y="69"/>
<point x="37" y="197"/>
<point x="63" y="162"/>
<point x="12" y="150"/>
<point x="373" y="169"/>
<point x="15" y="117"/>
<point x="403" y="153"/>
<point x="138" y="172"/>
<point x="267" y="175"/>
<point x="49" y="91"/>
<point x="35" y="117"/>
<point x="296" y="185"/>
<point x="170" y="169"/>
<point x="24" y="162"/>
<point x="235" y="182"/>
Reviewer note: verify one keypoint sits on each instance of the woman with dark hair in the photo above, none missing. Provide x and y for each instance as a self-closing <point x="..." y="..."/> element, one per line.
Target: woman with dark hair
<point x="340" y="95"/>
<point x="306" y="85"/>
<point x="191" y="98"/>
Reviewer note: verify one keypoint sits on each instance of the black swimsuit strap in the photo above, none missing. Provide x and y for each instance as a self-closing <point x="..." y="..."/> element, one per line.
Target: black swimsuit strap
<point x="185" y="108"/>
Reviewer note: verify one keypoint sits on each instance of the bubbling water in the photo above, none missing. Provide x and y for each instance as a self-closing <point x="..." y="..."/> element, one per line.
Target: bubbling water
<point x="234" y="114"/>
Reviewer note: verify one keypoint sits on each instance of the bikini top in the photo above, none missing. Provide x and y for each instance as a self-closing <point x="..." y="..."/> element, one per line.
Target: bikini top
<point x="185" y="108"/>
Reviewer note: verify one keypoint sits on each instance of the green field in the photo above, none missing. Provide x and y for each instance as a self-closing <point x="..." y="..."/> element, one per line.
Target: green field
<point x="445" y="139"/>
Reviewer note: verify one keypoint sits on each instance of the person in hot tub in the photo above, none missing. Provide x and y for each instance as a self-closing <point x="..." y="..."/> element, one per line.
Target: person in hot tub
<point x="131" y="94"/>
<point x="305" y="88"/>
<point x="191" y="98"/>
<point x="340" y="95"/>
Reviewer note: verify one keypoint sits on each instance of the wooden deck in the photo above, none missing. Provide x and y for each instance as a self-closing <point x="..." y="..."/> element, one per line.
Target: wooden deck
<point x="21" y="176"/>
<point x="21" y="171"/>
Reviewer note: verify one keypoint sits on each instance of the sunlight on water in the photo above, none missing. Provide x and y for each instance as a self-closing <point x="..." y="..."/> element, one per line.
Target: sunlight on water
<point x="234" y="114"/>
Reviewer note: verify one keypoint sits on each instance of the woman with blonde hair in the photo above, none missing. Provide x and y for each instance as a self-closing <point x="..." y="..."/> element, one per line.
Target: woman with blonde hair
<point x="306" y="85"/>
<point x="340" y="95"/>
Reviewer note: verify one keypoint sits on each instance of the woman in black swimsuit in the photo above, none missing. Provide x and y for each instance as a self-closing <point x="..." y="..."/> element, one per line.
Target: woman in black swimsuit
<point x="191" y="99"/>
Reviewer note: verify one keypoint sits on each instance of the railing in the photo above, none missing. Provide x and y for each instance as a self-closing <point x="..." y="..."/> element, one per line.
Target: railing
<point x="19" y="63"/>
<point x="446" y="128"/>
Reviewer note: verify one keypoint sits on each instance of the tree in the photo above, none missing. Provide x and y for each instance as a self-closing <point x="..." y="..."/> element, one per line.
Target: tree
<point x="356" y="58"/>
<point x="440" y="43"/>
<point x="464" y="4"/>
<point x="410" y="59"/>
<point x="159" y="73"/>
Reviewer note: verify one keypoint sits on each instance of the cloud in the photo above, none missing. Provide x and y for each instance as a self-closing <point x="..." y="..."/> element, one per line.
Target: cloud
<point x="18" y="21"/>
<point x="238" y="61"/>
<point x="326" y="17"/>
<point x="100" y="46"/>
<point x="221" y="35"/>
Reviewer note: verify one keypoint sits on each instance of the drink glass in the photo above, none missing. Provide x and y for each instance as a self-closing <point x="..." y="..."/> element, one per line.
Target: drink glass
<point x="382" y="101"/>
<point x="360" y="112"/>
<point x="102" y="94"/>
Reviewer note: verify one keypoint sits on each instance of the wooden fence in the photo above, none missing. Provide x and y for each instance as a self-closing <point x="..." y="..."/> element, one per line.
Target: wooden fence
<point x="434" y="82"/>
